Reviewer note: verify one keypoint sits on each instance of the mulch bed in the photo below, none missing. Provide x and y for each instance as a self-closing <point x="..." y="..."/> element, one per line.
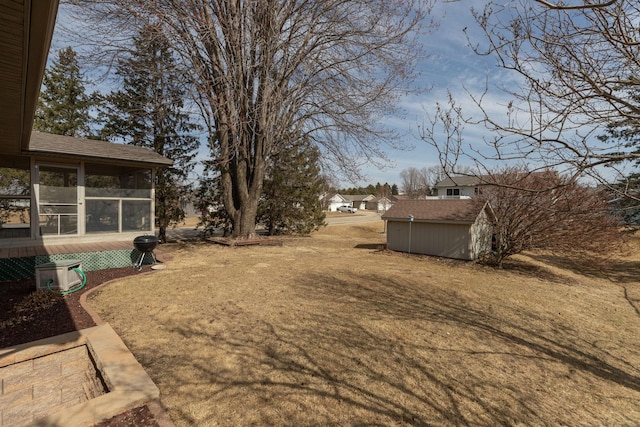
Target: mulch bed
<point x="27" y="314"/>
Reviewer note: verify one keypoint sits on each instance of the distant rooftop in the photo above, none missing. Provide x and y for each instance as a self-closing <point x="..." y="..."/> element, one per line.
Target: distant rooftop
<point x="460" y="181"/>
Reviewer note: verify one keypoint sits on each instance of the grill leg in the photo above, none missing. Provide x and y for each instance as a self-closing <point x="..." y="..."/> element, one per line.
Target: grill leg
<point x="138" y="265"/>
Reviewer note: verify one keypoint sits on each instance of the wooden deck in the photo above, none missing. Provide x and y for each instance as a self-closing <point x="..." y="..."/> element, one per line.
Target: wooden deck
<point x="71" y="248"/>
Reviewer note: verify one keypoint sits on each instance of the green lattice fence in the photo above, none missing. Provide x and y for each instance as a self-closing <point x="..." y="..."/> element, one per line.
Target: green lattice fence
<point x="24" y="268"/>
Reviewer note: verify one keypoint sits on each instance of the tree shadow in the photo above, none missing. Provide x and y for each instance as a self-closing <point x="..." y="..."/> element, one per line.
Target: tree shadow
<point x="615" y="270"/>
<point x="531" y="270"/>
<point x="353" y="362"/>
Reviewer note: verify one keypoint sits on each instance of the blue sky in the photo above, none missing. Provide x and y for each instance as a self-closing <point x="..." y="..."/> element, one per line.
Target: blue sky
<point x="451" y="66"/>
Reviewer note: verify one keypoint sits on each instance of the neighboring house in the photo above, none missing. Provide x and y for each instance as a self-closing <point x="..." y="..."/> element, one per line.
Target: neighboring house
<point x="358" y="201"/>
<point x="458" y="186"/>
<point x="398" y="197"/>
<point x="70" y="188"/>
<point x="331" y="202"/>
<point x="446" y="228"/>
<point x="380" y="204"/>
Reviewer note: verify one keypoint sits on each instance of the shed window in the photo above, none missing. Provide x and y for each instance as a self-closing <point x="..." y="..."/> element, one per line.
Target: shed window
<point x="453" y="191"/>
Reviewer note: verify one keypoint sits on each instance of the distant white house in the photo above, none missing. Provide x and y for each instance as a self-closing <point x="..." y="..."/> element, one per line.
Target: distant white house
<point x="459" y="186"/>
<point x="380" y="204"/>
<point x="331" y="202"/>
<point x="358" y="201"/>
<point x="459" y="229"/>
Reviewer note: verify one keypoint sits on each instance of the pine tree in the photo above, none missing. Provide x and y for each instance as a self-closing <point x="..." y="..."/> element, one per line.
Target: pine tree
<point x="626" y="199"/>
<point x="209" y="201"/>
<point x="148" y="111"/>
<point x="626" y="133"/>
<point x="63" y="106"/>
<point x="292" y="190"/>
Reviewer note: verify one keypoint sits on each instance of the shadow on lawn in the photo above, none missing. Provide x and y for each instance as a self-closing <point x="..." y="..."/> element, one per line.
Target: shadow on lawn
<point x="393" y="352"/>
<point x="617" y="271"/>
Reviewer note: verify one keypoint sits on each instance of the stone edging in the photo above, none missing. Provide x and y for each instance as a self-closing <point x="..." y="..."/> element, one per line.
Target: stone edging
<point x="154" y="406"/>
<point x="129" y="386"/>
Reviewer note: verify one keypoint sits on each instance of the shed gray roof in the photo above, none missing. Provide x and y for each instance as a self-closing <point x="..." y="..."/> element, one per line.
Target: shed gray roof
<point x="464" y="210"/>
<point x="88" y="149"/>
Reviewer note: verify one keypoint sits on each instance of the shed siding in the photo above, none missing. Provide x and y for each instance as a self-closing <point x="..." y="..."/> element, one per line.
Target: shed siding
<point x="445" y="240"/>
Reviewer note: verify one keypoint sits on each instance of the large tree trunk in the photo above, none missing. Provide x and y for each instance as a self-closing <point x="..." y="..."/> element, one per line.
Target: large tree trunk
<point x="244" y="222"/>
<point x="242" y="180"/>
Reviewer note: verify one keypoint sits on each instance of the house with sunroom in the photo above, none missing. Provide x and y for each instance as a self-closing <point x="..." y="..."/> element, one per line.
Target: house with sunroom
<point x="65" y="192"/>
<point x="65" y="189"/>
<point x="61" y="197"/>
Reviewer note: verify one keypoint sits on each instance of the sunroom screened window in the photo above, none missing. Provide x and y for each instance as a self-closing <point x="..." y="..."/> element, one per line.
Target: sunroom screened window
<point x="117" y="181"/>
<point x="117" y="198"/>
<point x="15" y="201"/>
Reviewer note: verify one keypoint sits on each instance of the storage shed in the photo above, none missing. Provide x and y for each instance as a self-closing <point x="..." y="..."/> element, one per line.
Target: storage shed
<point x="460" y="229"/>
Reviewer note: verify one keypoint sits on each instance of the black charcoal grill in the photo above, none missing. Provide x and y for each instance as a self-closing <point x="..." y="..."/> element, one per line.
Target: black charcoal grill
<point x="144" y="245"/>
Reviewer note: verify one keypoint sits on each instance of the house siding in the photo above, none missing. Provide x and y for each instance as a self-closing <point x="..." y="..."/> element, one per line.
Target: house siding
<point x="464" y="191"/>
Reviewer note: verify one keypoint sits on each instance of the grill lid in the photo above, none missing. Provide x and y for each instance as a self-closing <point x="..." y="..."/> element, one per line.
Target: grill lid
<point x="145" y="243"/>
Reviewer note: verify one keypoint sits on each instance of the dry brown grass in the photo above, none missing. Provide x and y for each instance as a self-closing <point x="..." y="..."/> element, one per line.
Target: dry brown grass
<point x="327" y="330"/>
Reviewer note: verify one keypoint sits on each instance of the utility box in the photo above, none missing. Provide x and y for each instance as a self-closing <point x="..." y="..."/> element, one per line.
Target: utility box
<point x="61" y="274"/>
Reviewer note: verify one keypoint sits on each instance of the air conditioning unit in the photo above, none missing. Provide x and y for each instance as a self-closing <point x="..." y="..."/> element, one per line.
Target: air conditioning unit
<point x="58" y="275"/>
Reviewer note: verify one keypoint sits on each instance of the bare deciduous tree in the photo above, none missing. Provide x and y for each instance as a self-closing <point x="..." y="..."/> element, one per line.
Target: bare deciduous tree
<point x="576" y="64"/>
<point x="418" y="183"/>
<point x="544" y="210"/>
<point x="412" y="183"/>
<point x="323" y="69"/>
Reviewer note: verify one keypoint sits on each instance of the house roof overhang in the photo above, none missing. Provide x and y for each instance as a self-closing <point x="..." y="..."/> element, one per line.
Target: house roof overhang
<point x="26" y="28"/>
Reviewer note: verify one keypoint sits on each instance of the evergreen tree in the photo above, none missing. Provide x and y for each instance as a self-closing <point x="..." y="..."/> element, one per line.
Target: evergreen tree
<point x="63" y="106"/>
<point x="292" y="190"/>
<point x="209" y="201"/>
<point x="394" y="190"/>
<point x="626" y="133"/>
<point x="148" y="111"/>
<point x="626" y="199"/>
